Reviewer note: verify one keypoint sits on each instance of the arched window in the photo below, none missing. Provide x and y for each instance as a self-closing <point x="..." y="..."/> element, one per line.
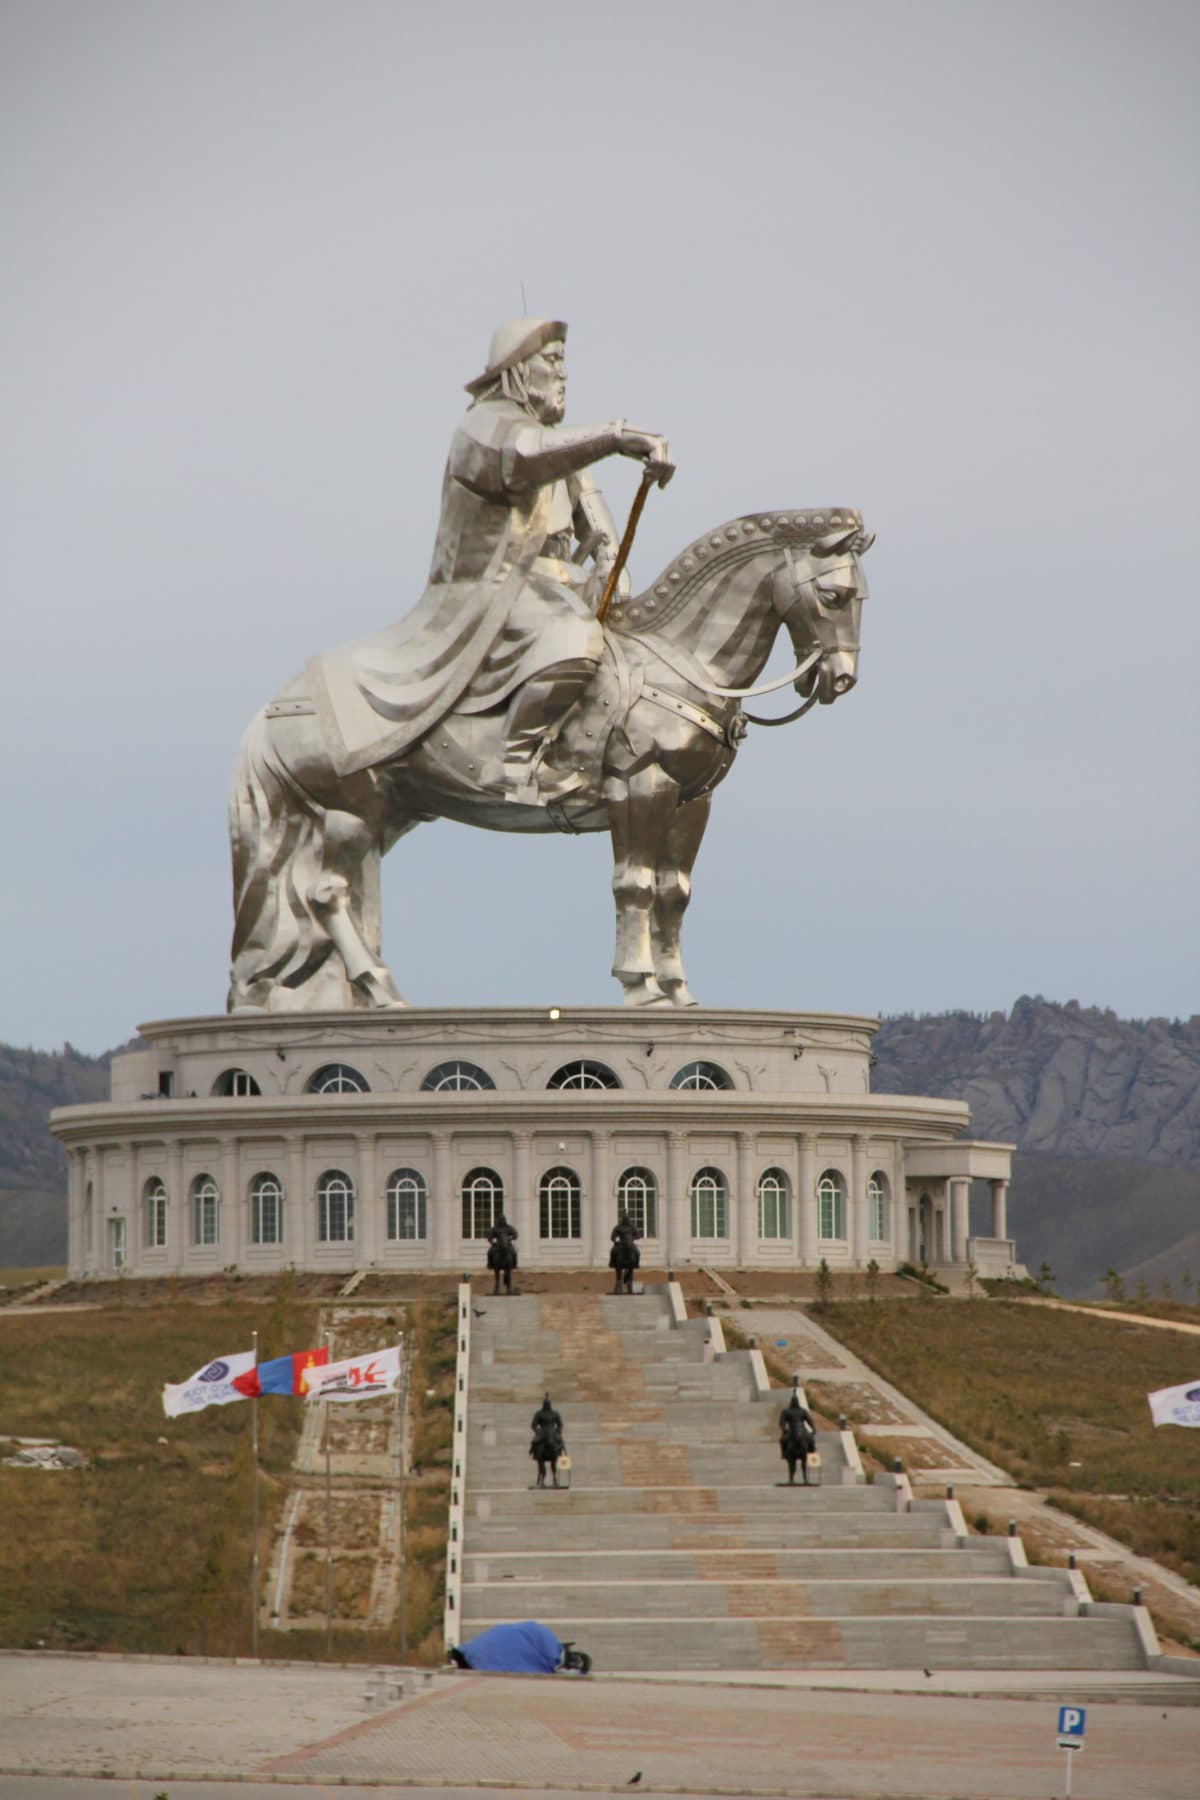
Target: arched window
<point x="406" y="1205"/>
<point x="235" y="1083"/>
<point x="710" y="1204"/>
<point x="559" y="1204"/>
<point x="774" y="1210"/>
<point x="335" y="1208"/>
<point x="482" y="1201"/>
<point x="878" y="1222"/>
<point x="831" y="1205"/>
<point x="338" y="1078"/>
<point x="266" y="1209"/>
<point x="154" y="1203"/>
<point x="701" y="1075"/>
<point x="206" y="1224"/>
<point x="456" y="1077"/>
<point x="583" y="1074"/>
<point x="637" y="1194"/>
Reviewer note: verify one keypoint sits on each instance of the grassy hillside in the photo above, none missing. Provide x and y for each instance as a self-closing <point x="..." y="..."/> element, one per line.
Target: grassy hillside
<point x="1085" y="1215"/>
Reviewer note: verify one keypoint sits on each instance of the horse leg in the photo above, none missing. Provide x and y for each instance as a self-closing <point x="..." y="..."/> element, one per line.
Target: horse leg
<point x="640" y="809"/>
<point x="673" y="890"/>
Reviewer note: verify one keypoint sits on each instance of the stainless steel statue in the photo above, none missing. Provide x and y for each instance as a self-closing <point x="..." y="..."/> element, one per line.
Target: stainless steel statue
<point x="500" y="700"/>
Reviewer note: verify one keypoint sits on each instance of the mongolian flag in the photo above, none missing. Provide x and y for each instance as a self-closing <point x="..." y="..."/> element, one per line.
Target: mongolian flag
<point x="282" y="1375"/>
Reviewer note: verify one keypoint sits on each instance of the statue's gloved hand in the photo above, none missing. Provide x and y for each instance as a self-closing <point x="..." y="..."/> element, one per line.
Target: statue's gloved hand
<point x="654" y="451"/>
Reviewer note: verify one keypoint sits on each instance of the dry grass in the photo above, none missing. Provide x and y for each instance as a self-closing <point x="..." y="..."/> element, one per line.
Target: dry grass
<point x="1056" y="1398"/>
<point x="148" y="1548"/>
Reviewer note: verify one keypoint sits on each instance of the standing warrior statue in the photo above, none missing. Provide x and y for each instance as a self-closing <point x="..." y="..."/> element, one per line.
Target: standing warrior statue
<point x="509" y="609"/>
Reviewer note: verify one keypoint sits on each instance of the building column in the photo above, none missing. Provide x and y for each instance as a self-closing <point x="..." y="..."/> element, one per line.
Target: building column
<point x="806" y="1202"/>
<point x="231" y="1226"/>
<point x="441" y="1204"/>
<point x="960" y="1213"/>
<point x="524" y="1214"/>
<point x="743" y="1225"/>
<point x="999" y="1209"/>
<point x="858" y="1202"/>
<point x="177" y="1220"/>
<point x="600" y="1215"/>
<point x="369" y="1229"/>
<point x="297" y="1211"/>
<point x="679" y="1229"/>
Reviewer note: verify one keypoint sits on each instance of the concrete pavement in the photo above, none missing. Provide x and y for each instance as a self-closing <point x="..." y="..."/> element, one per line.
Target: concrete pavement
<point x="142" y="1725"/>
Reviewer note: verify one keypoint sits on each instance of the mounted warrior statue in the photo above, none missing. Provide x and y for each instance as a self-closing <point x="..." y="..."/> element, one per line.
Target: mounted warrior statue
<point x="511" y="698"/>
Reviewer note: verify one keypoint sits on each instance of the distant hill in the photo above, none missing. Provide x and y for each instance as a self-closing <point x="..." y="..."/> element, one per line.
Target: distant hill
<point x="33" y="1166"/>
<point x="1105" y="1113"/>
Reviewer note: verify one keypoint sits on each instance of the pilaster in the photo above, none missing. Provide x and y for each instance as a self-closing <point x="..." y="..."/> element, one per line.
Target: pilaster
<point x="370" y="1225"/>
<point x="599" y="1209"/>
<point x="679" y="1232"/>
<point x="858" y="1202"/>
<point x="806" y="1201"/>
<point x="743" y="1224"/>
<point x="524" y="1214"/>
<point x="442" y="1203"/>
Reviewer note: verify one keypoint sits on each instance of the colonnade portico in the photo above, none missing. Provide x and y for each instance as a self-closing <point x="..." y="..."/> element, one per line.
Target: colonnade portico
<point x="731" y="1145"/>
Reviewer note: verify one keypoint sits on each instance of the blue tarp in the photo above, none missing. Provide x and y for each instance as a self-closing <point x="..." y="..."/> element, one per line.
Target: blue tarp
<point x="524" y="1649"/>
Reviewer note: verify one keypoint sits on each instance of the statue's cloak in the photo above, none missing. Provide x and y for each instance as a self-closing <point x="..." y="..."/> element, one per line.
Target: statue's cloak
<point x="377" y="697"/>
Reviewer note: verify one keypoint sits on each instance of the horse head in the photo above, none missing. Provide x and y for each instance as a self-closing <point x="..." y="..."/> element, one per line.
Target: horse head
<point x="818" y="594"/>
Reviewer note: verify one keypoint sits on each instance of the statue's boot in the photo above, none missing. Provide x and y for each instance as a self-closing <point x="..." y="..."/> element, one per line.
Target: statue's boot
<point x="535" y="714"/>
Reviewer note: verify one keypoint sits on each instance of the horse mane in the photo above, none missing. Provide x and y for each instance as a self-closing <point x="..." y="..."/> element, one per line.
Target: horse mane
<point x="731" y="543"/>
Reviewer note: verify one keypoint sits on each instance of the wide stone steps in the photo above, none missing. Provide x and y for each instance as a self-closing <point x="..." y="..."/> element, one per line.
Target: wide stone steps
<point x="678" y="1544"/>
<point x="994" y="1597"/>
<point x="683" y="1642"/>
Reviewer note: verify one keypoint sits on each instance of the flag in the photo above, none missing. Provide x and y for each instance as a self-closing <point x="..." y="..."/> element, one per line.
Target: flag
<point x="358" y="1377"/>
<point x="216" y="1384"/>
<point x="1176" y="1405"/>
<point x="282" y="1375"/>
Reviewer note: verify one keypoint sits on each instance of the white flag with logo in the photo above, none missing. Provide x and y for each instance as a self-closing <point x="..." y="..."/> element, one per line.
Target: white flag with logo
<point x="357" y="1377"/>
<point x="210" y="1386"/>
<point x="1176" y="1405"/>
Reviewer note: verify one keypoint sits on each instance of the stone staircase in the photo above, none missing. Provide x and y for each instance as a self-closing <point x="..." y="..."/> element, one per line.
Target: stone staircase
<point x="675" y="1547"/>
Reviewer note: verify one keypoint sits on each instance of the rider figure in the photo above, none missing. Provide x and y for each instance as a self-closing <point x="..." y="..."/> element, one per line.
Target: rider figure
<point x="508" y="614"/>
<point x="547" y="1444"/>
<point x="502" y="1251"/>
<point x="797" y="1437"/>
<point x="624" y="1256"/>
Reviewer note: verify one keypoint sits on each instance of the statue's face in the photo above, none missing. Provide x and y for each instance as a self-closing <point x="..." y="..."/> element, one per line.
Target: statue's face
<point x="546" y="382"/>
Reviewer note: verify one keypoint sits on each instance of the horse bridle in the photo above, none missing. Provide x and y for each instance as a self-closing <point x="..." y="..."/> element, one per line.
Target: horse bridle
<point x="766" y="687"/>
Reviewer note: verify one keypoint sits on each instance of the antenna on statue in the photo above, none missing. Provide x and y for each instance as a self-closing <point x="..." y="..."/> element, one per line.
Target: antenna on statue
<point x="524" y="303"/>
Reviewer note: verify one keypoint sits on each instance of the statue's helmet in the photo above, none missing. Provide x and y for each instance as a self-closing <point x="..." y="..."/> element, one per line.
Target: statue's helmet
<point x="512" y="342"/>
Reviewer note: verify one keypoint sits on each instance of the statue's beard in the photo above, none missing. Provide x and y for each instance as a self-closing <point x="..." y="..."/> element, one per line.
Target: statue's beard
<point x="549" y="406"/>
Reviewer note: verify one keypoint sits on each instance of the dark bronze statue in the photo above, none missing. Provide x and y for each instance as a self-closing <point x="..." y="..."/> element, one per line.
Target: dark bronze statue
<point x="502" y="1253"/>
<point x="797" y="1438"/>
<point x="547" y="1445"/>
<point x="624" y="1257"/>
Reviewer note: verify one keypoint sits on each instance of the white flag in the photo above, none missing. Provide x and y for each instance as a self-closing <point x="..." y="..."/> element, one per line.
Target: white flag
<point x="357" y="1377"/>
<point x="210" y="1386"/>
<point x="1176" y="1405"/>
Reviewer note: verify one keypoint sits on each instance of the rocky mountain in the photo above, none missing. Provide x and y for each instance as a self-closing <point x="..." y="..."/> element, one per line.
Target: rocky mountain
<point x="33" y="1167"/>
<point x="1067" y="1080"/>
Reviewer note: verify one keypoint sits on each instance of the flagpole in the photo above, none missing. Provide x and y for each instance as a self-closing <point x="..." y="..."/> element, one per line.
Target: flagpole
<point x="402" y="1385"/>
<point x="254" y="1516"/>
<point x="328" y="1520"/>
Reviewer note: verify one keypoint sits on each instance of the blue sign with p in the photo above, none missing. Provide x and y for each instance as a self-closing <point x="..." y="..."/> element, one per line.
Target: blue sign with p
<point x="1071" y="1720"/>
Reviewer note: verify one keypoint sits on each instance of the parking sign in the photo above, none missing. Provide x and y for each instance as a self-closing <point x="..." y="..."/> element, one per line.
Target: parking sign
<point x="1071" y="1721"/>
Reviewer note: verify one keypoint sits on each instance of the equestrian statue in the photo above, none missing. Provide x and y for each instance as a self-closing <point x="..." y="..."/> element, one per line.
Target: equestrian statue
<point x="546" y="1445"/>
<point x="529" y="690"/>
<point x="624" y="1256"/>
<point x="502" y="1252"/>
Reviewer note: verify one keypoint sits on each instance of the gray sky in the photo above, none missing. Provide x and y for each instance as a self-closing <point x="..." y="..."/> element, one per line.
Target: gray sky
<point x="934" y="260"/>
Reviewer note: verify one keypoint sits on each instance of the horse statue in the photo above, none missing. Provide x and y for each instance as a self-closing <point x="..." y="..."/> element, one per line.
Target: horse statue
<point x="502" y="1253"/>
<point x="651" y="738"/>
<point x="547" y="1444"/>
<point x="797" y="1437"/>
<point x="624" y="1257"/>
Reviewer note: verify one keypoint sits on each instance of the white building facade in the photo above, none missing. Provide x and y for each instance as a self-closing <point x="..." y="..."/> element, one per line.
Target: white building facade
<point x="392" y="1140"/>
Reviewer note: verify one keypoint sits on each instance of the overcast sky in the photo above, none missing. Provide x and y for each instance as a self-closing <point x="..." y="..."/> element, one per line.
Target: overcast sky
<point x="934" y="260"/>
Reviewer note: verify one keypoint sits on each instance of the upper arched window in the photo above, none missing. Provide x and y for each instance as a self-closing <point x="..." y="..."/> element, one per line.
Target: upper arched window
<point x="878" y="1223"/>
<point x="831" y="1205"/>
<point x="701" y="1075"/>
<point x="559" y="1204"/>
<point x="266" y="1209"/>
<point x="235" y="1083"/>
<point x="584" y="1074"/>
<point x="335" y="1208"/>
<point x="406" y="1205"/>
<point x="338" y="1078"/>
<point x="206" y="1200"/>
<point x="456" y="1077"/>
<point x="637" y="1194"/>
<point x="154" y="1202"/>
<point x="482" y="1201"/>
<point x="774" y="1195"/>
<point x="710" y="1204"/>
